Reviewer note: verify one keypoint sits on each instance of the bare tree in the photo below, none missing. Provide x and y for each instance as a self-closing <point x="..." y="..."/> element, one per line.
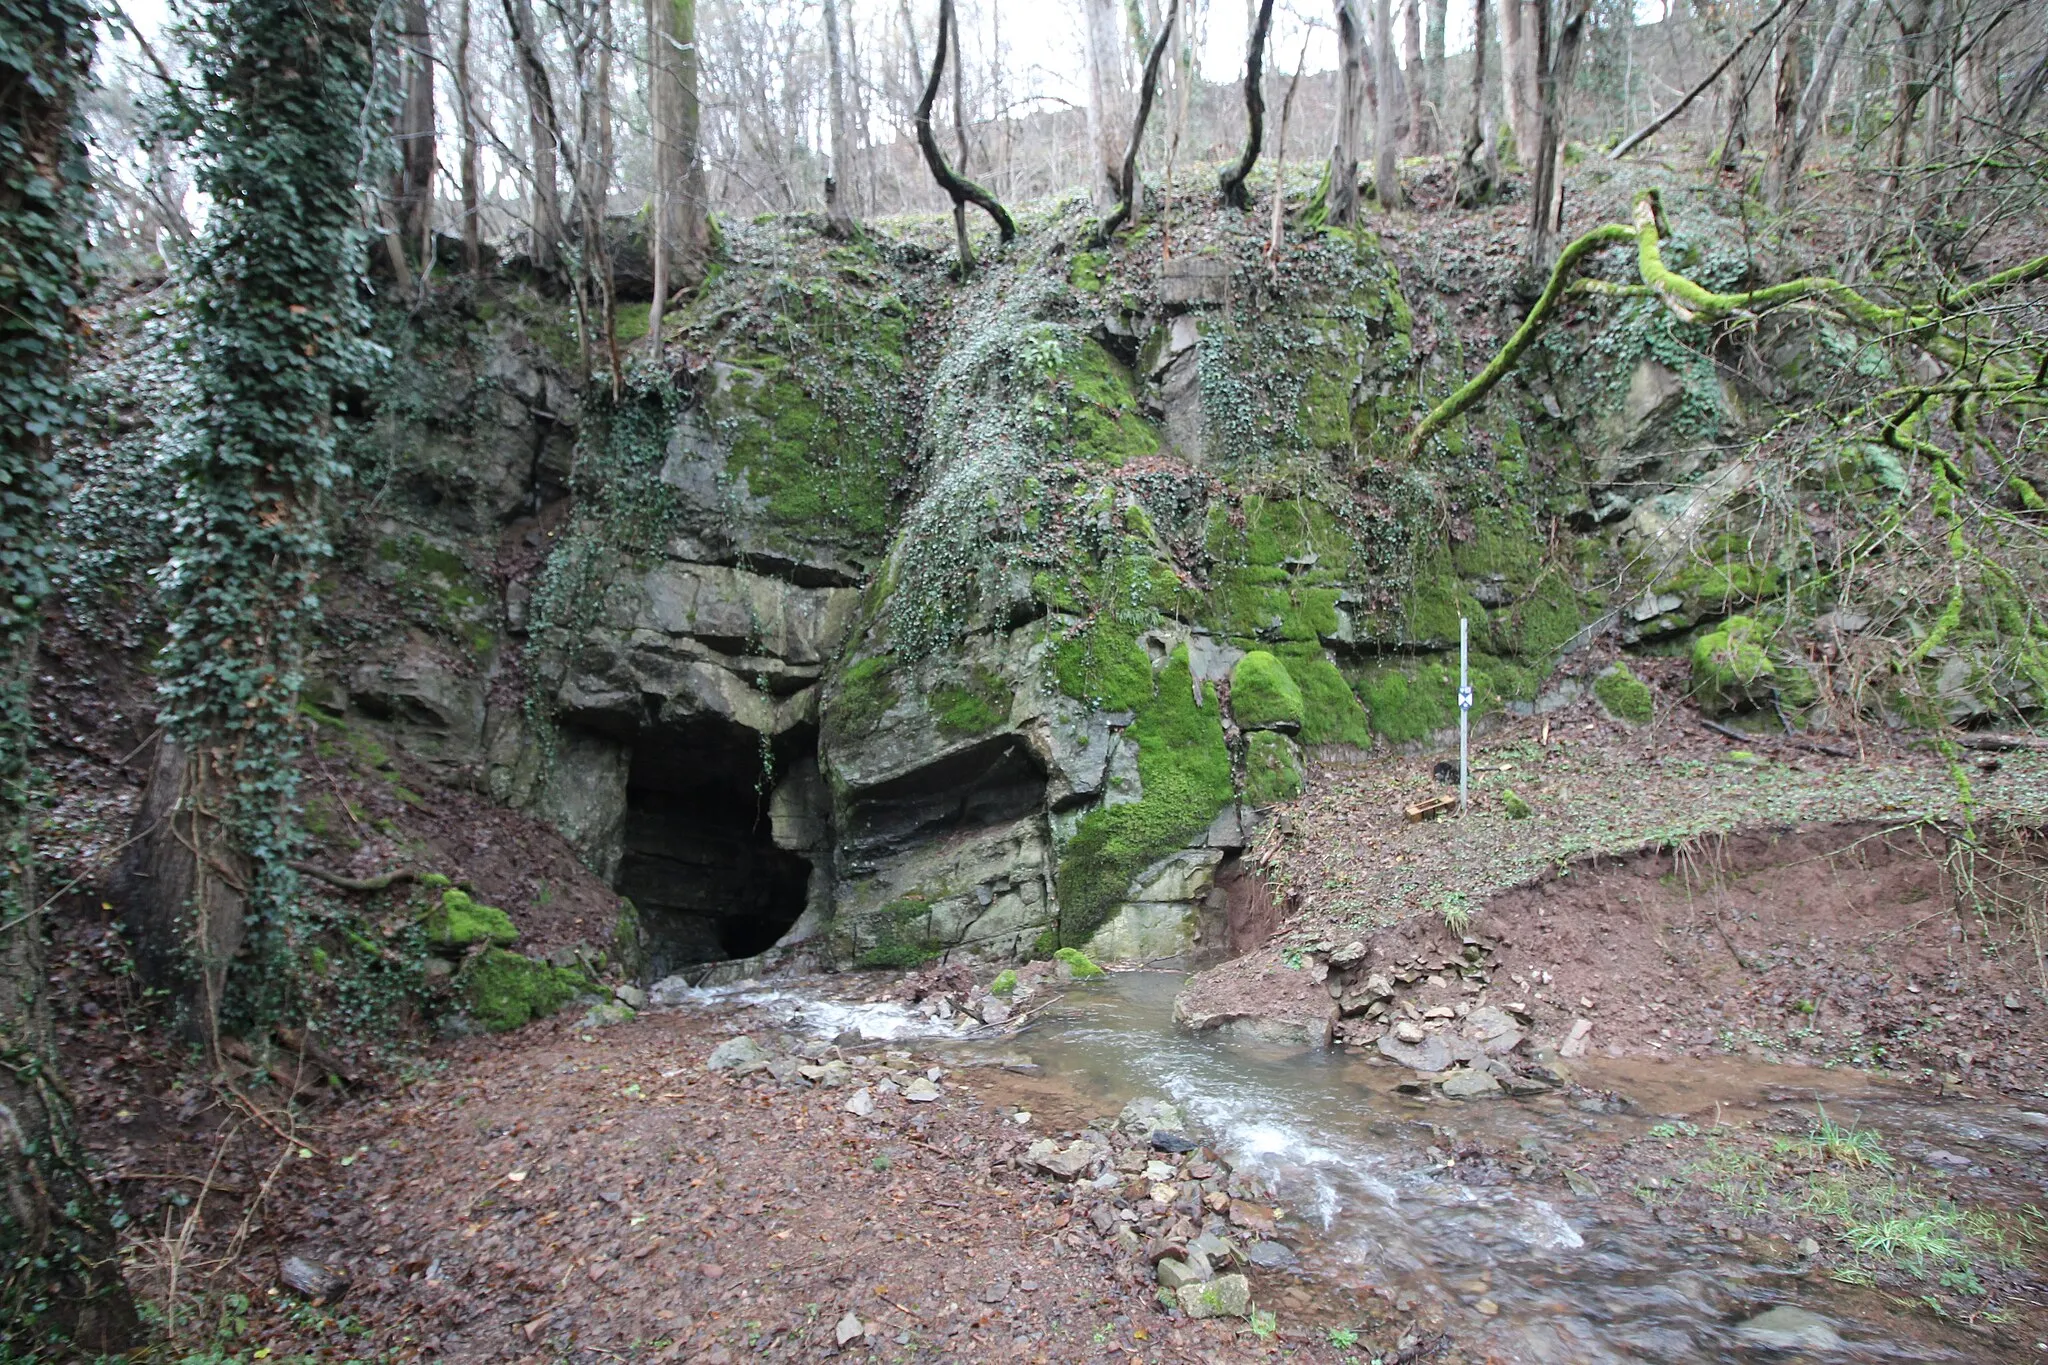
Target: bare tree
<point x="1280" y="168"/>
<point x="1234" y="193"/>
<point x="1517" y="75"/>
<point x="842" y="135"/>
<point x="1386" y="173"/>
<point x="1438" y="20"/>
<point x="1784" y="109"/>
<point x="413" y="195"/>
<point x="1340" y="200"/>
<point x="1127" y="204"/>
<point x="544" y="132"/>
<point x="1419" y="139"/>
<point x="1557" y="63"/>
<point x="1108" y="100"/>
<point x="681" y="203"/>
<point x="465" y="117"/>
<point x="959" y="188"/>
<point x="1477" y="175"/>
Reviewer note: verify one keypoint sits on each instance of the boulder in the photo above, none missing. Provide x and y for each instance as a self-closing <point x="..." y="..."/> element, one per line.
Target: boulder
<point x="742" y="1056"/>
<point x="1226" y="1296"/>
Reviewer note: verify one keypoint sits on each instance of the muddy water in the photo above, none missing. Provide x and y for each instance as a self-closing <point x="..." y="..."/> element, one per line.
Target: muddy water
<point x="1519" y="1277"/>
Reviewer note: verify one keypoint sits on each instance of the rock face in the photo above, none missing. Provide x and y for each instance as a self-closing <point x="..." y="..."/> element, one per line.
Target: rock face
<point x="810" y="660"/>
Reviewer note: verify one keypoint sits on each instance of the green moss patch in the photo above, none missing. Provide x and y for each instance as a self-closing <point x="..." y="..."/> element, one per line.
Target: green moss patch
<point x="1185" y="768"/>
<point x="1730" y="668"/>
<point x="504" y="989"/>
<point x="1625" y="696"/>
<point x="1272" y="769"/>
<point x="1005" y="982"/>
<point x="457" y="921"/>
<point x="1330" y="712"/>
<point x="1105" y="666"/>
<point x="860" y="697"/>
<point x="901" y="936"/>
<point x="1078" y="962"/>
<point x="1262" y="694"/>
<point x="975" y="707"/>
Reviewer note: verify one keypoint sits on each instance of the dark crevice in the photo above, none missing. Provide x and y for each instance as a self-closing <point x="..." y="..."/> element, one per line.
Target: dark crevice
<point x="700" y="861"/>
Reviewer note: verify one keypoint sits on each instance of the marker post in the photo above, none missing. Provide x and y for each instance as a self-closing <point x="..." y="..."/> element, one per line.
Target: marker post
<point x="1464" y="711"/>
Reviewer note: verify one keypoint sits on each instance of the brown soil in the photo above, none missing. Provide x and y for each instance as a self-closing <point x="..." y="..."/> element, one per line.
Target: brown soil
<point x="562" y="1194"/>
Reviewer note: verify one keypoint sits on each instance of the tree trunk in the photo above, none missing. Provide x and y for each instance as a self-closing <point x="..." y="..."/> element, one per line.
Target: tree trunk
<point x="1557" y="64"/>
<point x="1912" y="87"/>
<point x="544" y="132"/>
<point x="957" y="187"/>
<point x="1477" y="174"/>
<point x="836" y="216"/>
<point x="472" y="180"/>
<point x="1419" y="139"/>
<point x="1433" y="67"/>
<point x="1518" y="76"/>
<point x="1234" y="193"/>
<point x="60" y="1280"/>
<point x="678" y="159"/>
<point x="1386" y="171"/>
<point x="1148" y="88"/>
<point x="1341" y="194"/>
<point x="1784" y="112"/>
<point x="414" y="193"/>
<point x="1108" y="101"/>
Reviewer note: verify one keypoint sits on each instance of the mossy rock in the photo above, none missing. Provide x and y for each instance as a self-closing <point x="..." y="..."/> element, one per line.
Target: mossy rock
<point x="1078" y="962"/>
<point x="1515" y="806"/>
<point x="1005" y="982"/>
<point x="859" y="698"/>
<point x="1262" y="694"/>
<point x="974" y="707"/>
<point x="1272" y="769"/>
<point x="459" y="922"/>
<point x="505" y="989"/>
<point x="1625" y="696"/>
<point x="1730" y="669"/>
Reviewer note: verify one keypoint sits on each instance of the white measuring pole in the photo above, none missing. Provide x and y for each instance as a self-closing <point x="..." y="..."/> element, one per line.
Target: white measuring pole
<point x="1464" y="711"/>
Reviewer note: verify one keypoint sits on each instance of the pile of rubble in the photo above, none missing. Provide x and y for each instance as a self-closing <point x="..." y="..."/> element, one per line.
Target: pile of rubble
<point x="1168" y="1207"/>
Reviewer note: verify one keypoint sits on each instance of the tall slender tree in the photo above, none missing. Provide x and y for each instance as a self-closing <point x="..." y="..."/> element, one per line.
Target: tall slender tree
<point x="1558" y="40"/>
<point x="836" y="181"/>
<point x="1108" y="100"/>
<point x="1478" y="170"/>
<point x="465" y="117"/>
<point x="1386" y="171"/>
<point x="543" y="133"/>
<point x="60" y="1282"/>
<point x="414" y="192"/>
<point x="1234" y="193"/>
<point x="685" y="205"/>
<point x="1341" y="191"/>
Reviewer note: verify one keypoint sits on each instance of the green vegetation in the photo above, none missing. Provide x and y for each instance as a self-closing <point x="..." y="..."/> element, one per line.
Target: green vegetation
<point x="1272" y="769"/>
<point x="1078" y="962"/>
<point x="504" y="989"/>
<point x="1730" y="670"/>
<point x="1262" y="694"/>
<point x="1625" y="696"/>
<point x="1185" y="768"/>
<point x="1514" y="805"/>
<point x="860" y="696"/>
<point x="1005" y="982"/>
<point x="457" y="921"/>
<point x="975" y="707"/>
<point x="901" y="936"/>
<point x="1104" y="666"/>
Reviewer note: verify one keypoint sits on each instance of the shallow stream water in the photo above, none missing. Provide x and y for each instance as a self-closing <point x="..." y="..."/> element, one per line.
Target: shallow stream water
<point x="1520" y="1276"/>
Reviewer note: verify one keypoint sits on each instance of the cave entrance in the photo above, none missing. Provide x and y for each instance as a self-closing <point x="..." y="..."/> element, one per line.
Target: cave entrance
<point x="700" y="860"/>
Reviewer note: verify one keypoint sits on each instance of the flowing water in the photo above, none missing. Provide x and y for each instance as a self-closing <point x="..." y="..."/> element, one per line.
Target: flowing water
<point x="1374" y="1205"/>
<point x="1597" y="1280"/>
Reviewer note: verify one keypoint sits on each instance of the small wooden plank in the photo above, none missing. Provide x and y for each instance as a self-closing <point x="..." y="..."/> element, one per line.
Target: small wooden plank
<point x="1430" y="807"/>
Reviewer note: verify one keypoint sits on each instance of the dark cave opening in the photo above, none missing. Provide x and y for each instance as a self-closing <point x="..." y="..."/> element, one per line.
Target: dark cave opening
<point x="700" y="861"/>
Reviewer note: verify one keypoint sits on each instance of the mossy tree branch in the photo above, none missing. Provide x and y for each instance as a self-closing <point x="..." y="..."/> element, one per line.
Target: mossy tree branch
<point x="1693" y="302"/>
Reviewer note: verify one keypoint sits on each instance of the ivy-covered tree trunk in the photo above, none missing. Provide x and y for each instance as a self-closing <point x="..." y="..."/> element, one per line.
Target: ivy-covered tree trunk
<point x="59" y="1280"/>
<point x="276" y="335"/>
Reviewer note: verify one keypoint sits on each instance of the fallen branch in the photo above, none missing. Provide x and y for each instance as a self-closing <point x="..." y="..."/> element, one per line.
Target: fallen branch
<point x="382" y="881"/>
<point x="1998" y="743"/>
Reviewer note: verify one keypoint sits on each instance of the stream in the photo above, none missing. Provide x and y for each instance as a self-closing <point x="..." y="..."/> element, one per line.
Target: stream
<point x="1361" y="1171"/>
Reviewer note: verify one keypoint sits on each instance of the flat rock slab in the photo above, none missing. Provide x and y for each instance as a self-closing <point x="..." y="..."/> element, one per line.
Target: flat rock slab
<point x="1470" y="1085"/>
<point x="1431" y="1054"/>
<point x="1786" y="1328"/>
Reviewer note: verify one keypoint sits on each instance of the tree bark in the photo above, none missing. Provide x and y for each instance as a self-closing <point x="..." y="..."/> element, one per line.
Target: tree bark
<point x="1234" y="193"/>
<point x="957" y="187"/>
<point x="414" y="193"/>
<point x="1784" y="111"/>
<point x="1517" y="77"/>
<point x="1108" y="101"/>
<point x="544" y="134"/>
<point x="1419" y="139"/>
<point x="1148" y="87"/>
<point x="1477" y="174"/>
<point x="61" y="1290"/>
<point x="678" y="157"/>
<point x="836" y="216"/>
<point x="1557" y="64"/>
<point x="472" y="180"/>
<point x="1341" y="193"/>
<point x="1386" y="171"/>
<point x="1433" y="66"/>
